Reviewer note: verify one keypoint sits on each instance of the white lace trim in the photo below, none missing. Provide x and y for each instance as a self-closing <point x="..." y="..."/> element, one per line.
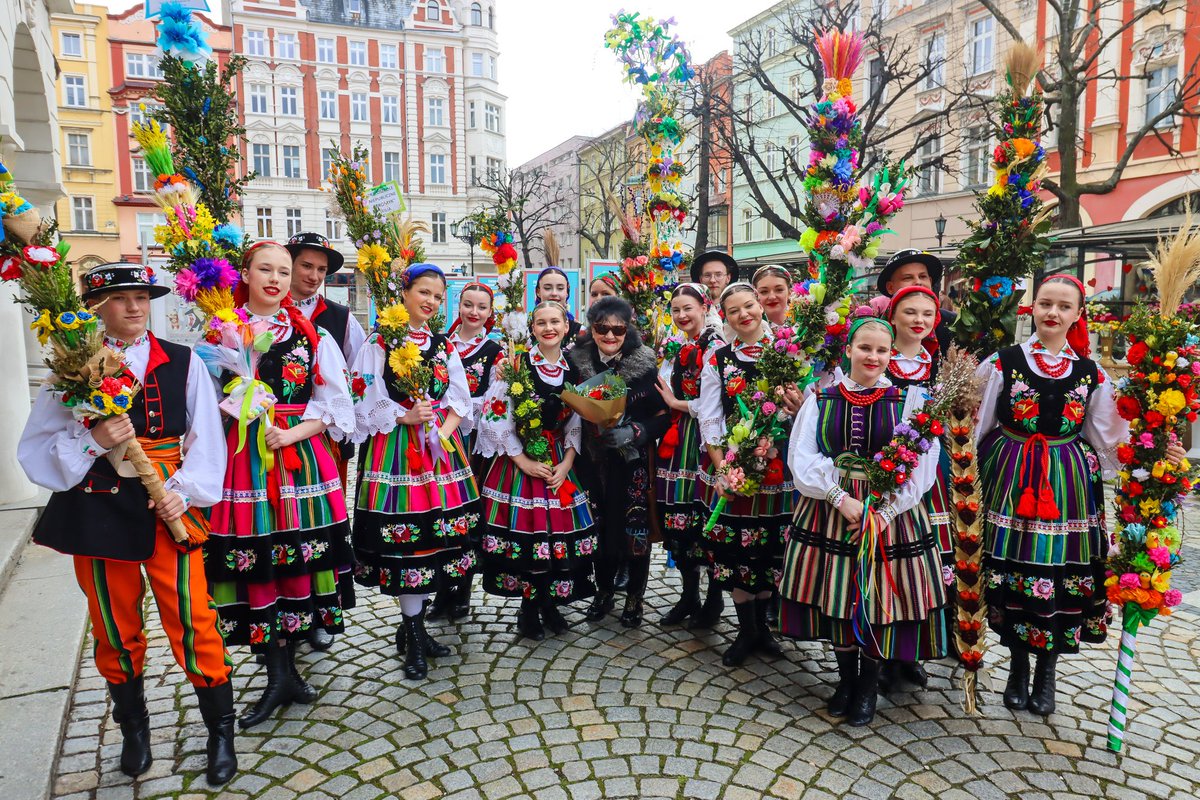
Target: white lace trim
<point x="497" y="440"/>
<point x="337" y="412"/>
<point x="712" y="431"/>
<point x="379" y="417"/>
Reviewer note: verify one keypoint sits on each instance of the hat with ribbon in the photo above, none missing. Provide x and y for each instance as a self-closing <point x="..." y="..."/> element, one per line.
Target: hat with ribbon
<point x="315" y="241"/>
<point x="118" y="275"/>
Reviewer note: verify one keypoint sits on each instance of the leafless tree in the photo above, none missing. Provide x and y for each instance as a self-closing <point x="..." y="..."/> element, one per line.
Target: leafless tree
<point x="1075" y="68"/>
<point x="531" y="200"/>
<point x="706" y="99"/>
<point x="605" y="167"/>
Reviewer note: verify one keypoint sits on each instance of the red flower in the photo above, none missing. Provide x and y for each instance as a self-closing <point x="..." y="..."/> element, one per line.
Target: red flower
<point x="922" y="418"/>
<point x="472" y="382"/>
<point x="887" y="465"/>
<point x="111" y="387"/>
<point x="1133" y="489"/>
<point x="596" y="393"/>
<point x="774" y="474"/>
<point x="1073" y="411"/>
<point x="936" y="428"/>
<point x="736" y="385"/>
<point x="1037" y="638"/>
<point x="1154" y="419"/>
<point x="1128" y="407"/>
<point x="1025" y="408"/>
<point x="836" y="330"/>
<point x="1125" y="454"/>
<point x="1136" y="353"/>
<point x="691" y="387"/>
<point x="901" y="478"/>
<point x="358" y="386"/>
<point x="1183" y="380"/>
<point x="499" y="408"/>
<point x="10" y="268"/>
<point x="440" y="373"/>
<point x="295" y="372"/>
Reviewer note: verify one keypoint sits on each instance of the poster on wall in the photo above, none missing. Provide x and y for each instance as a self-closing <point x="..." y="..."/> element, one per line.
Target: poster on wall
<point x="454" y="286"/>
<point x="573" y="276"/>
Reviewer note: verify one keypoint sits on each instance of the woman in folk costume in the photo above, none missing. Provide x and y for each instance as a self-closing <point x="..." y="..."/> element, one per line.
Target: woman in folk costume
<point x="278" y="557"/>
<point x="903" y="615"/>
<point x="417" y="498"/>
<point x="746" y="542"/>
<point x="603" y="286"/>
<point x="470" y="335"/>
<point x="679" y="456"/>
<point x="553" y="285"/>
<point x="774" y="286"/>
<point x="105" y="520"/>
<point x="538" y="540"/>
<point x="619" y="457"/>
<point x="1048" y="431"/>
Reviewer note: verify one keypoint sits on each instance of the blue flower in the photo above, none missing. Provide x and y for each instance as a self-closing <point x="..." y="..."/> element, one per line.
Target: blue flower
<point x="997" y="288"/>
<point x="1134" y="532"/>
<point x="179" y="34"/>
<point x="228" y="234"/>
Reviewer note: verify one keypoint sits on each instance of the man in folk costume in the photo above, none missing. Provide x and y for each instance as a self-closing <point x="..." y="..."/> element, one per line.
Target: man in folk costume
<point x="313" y="260"/>
<point x="102" y="516"/>
<point x="917" y="268"/>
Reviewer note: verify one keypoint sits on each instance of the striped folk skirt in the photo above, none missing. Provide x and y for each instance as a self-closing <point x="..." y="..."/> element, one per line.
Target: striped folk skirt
<point x="1045" y="579"/>
<point x="534" y="540"/>
<point x="675" y="486"/>
<point x="278" y="556"/>
<point x="892" y="604"/>
<point x="413" y="514"/>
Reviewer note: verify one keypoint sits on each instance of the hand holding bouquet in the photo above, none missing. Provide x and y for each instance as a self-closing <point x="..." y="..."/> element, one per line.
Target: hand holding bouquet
<point x="752" y="458"/>
<point x="600" y="399"/>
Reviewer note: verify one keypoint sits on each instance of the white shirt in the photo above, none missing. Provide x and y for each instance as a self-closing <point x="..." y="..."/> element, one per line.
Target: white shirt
<point x="498" y="437"/>
<point x="355" y="335"/>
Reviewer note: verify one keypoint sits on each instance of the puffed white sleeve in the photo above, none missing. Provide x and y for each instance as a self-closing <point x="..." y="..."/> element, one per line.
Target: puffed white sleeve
<point x="201" y="475"/>
<point x="458" y="394"/>
<point x="909" y="495"/>
<point x="56" y="451"/>
<point x="1103" y="427"/>
<point x="495" y="433"/>
<point x="989" y="370"/>
<point x="374" y="409"/>
<point x="355" y="336"/>
<point x="710" y="411"/>
<point x="813" y="472"/>
<point x="330" y="401"/>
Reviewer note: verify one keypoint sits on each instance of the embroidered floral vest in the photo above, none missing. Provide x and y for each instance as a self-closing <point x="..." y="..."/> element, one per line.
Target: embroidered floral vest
<point x="287" y="368"/>
<point x="685" y="373"/>
<point x="478" y="366"/>
<point x="437" y="359"/>
<point x="736" y="377"/>
<point x="1053" y="407"/>
<point x="843" y="427"/>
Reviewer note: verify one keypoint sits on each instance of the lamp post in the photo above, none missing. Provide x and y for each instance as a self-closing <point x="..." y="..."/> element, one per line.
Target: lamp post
<point x="939" y="225"/>
<point x="464" y="231"/>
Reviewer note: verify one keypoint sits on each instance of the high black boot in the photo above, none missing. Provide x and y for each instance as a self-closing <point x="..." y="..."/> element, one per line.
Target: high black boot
<point x="889" y="677"/>
<point x="767" y="644"/>
<point x="546" y="606"/>
<point x="914" y="673"/>
<point x="635" y="591"/>
<point x="621" y="579"/>
<point x="319" y="639"/>
<point x="714" y="606"/>
<point x="602" y="605"/>
<point x="460" y="598"/>
<point x="303" y="692"/>
<point x="415" y="665"/>
<point x="747" y="637"/>
<point x="689" y="598"/>
<point x="847" y="661"/>
<point x="401" y="639"/>
<point x="773" y="603"/>
<point x="440" y="606"/>
<point x="866" y="692"/>
<point x="280" y="691"/>
<point x="529" y="622"/>
<point x="1016" y="691"/>
<point x="129" y="710"/>
<point x="216" y="707"/>
<point x="1041" y="699"/>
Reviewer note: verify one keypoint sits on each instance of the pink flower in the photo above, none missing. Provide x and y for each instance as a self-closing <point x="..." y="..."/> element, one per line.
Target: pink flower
<point x="1130" y="580"/>
<point x="1146" y="440"/>
<point x="642" y="261"/>
<point x="1161" y="557"/>
<point x="1172" y="598"/>
<point x="769" y="407"/>
<point x="1043" y="588"/>
<point x="186" y="284"/>
<point x="793" y="349"/>
<point x="850" y="236"/>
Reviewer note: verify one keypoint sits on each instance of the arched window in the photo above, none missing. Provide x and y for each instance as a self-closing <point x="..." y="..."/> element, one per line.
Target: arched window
<point x="476" y="14"/>
<point x="491" y="17"/>
<point x="433" y="11"/>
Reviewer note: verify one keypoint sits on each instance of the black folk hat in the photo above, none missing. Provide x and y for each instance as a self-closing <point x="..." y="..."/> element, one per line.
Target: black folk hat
<point x="698" y="261"/>
<point x="315" y="241"/>
<point x="119" y="275"/>
<point x="910" y="256"/>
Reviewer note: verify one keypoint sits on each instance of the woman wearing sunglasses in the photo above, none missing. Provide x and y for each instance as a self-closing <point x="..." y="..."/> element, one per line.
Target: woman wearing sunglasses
<point x="618" y="457"/>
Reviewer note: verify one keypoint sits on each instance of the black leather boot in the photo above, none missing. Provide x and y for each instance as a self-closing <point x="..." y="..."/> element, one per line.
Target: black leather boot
<point x="319" y="639"/>
<point x="440" y="606"/>
<point x="767" y="644"/>
<point x="888" y="677"/>
<point x="747" y="637"/>
<point x="714" y="606"/>
<point x="280" y="691"/>
<point x="689" y="598"/>
<point x="635" y="591"/>
<point x="401" y="639"/>
<point x="460" y="598"/>
<point x="1041" y="699"/>
<point x="866" y="692"/>
<point x="847" y="661"/>
<point x="547" y="607"/>
<point x="415" y="665"/>
<point x="216" y="707"/>
<point x="1016" y="691"/>
<point x="129" y="710"/>
<point x="303" y="692"/>
<point x="621" y="579"/>
<point x="602" y="605"/>
<point x="914" y="673"/>
<point x="529" y="622"/>
<point x="773" y="603"/>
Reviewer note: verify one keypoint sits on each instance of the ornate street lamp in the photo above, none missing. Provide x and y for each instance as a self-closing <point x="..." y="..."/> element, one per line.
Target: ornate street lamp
<point x="939" y="225"/>
<point x="464" y="231"/>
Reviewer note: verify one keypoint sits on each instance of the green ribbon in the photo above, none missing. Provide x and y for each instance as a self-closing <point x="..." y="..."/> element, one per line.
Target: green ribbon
<point x="264" y="452"/>
<point x="1135" y="616"/>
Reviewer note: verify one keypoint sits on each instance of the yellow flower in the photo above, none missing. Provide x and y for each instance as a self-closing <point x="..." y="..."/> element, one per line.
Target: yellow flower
<point x="1154" y="377"/>
<point x="845" y="88"/>
<point x="43" y="326"/>
<point x="394" y="316"/>
<point x="1161" y="581"/>
<point x="535" y="422"/>
<point x="1159" y="469"/>
<point x="517" y="389"/>
<point x="1171" y="402"/>
<point x="403" y="359"/>
<point x="372" y="256"/>
<point x="1149" y="508"/>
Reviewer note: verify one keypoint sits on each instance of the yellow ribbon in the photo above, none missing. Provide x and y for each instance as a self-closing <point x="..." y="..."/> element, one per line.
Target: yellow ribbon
<point x="264" y="452"/>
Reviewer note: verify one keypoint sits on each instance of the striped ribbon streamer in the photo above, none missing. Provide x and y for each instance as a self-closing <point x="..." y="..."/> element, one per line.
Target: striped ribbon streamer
<point x="1133" y="618"/>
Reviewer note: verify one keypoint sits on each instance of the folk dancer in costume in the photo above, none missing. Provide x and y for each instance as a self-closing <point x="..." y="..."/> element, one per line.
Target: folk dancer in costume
<point x="470" y="334"/>
<point x="714" y="269"/>
<point x="104" y="519"/>
<point x="553" y="285"/>
<point x="1048" y="431"/>
<point x="679" y="456"/>
<point x="619" y="457"/>
<point x="417" y="501"/>
<point x="745" y="544"/>
<point x="917" y="268"/>
<point x="774" y="286"/>
<point x="904" y="618"/>
<point x="313" y="260"/>
<point x="279" y="557"/>
<point x="603" y="286"/>
<point x="538" y="540"/>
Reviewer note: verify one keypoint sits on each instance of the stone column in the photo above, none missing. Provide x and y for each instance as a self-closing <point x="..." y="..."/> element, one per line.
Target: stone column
<point x="14" y="398"/>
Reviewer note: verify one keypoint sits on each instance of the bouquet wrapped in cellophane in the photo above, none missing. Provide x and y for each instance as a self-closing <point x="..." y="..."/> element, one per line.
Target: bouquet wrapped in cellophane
<point x="236" y="347"/>
<point x="600" y="399"/>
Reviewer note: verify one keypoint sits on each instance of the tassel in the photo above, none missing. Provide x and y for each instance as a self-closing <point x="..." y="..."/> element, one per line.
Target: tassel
<point x="566" y="493"/>
<point x="291" y="459"/>
<point x="1027" y="507"/>
<point x="670" y="440"/>
<point x="1046" y="508"/>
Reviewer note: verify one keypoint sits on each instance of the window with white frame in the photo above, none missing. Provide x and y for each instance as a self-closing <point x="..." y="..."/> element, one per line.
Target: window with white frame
<point x="477" y="65"/>
<point x="294" y="221"/>
<point x="358" y="106"/>
<point x="935" y="62"/>
<point x="258" y="99"/>
<point x="328" y="103"/>
<point x="796" y="88"/>
<point x="327" y="156"/>
<point x="492" y="17"/>
<point x="494" y="167"/>
<point x="436" y="112"/>
<point x="391" y="165"/>
<point x="143" y="181"/>
<point x="492" y="67"/>
<point x="437" y="168"/>
<point x="982" y="41"/>
<point x="333" y="228"/>
<point x="491" y="117"/>
<point x="794" y="147"/>
<point x="287" y="101"/>
<point x="83" y="214"/>
<point x="770" y="105"/>
<point x="435" y="59"/>
<point x="354" y="8"/>
<point x="290" y="160"/>
<point x="471" y="114"/>
<point x="358" y="54"/>
<point x="74" y="91"/>
<point x="929" y="175"/>
<point x="79" y="149"/>
<point x="437" y="228"/>
<point x="256" y="43"/>
<point x="747" y="225"/>
<point x="261" y="158"/>
<point x="472" y="170"/>
<point x="388" y="56"/>
<point x="389" y="108"/>
<point x="142" y="113"/>
<point x="771" y="46"/>
<point x="433" y="11"/>
<point x="977" y="157"/>
<point x="769" y="159"/>
<point x="326" y="52"/>
<point x="147" y="221"/>
<point x="264" y="223"/>
<point x="71" y="45"/>
<point x="286" y="46"/>
<point x="142" y="65"/>
<point x="1160" y="93"/>
<point x="476" y="14"/>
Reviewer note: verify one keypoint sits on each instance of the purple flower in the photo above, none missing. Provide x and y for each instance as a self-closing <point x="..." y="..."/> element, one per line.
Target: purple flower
<point x="214" y="273"/>
<point x="923" y="445"/>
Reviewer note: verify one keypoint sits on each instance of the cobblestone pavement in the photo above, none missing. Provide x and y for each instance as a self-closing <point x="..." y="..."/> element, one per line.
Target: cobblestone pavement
<point x="648" y="713"/>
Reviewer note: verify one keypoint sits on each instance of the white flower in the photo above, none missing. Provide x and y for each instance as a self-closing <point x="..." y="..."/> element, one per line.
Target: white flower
<point x="516" y="325"/>
<point x="508" y="279"/>
<point x="1140" y="474"/>
<point x="831" y="317"/>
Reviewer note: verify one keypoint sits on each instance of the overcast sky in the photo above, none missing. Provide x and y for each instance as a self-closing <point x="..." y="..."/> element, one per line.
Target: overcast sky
<point x="560" y="80"/>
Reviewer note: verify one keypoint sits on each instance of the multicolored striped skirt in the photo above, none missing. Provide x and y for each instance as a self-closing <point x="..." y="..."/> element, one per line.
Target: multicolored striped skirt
<point x="891" y="603"/>
<point x="937" y="505"/>
<point x="675" y="487"/>
<point x="1045" y="579"/>
<point x="278" y="557"/>
<point x="414" y="514"/>
<point x="535" y="540"/>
